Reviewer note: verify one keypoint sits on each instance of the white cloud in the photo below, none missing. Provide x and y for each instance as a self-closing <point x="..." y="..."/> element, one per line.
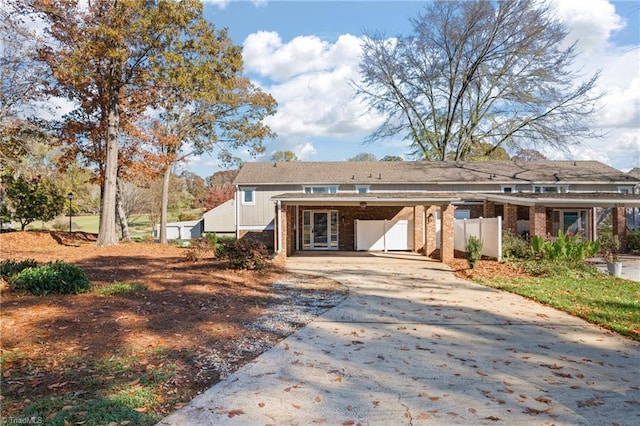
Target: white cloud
<point x="591" y="22"/>
<point x="266" y="55"/>
<point x="222" y="4"/>
<point x="310" y="78"/>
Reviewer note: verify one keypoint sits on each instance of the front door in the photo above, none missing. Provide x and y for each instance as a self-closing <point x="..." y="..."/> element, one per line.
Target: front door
<point x="320" y="230"/>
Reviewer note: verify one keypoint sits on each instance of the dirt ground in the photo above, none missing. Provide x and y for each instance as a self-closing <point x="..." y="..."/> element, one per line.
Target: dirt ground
<point x="195" y="323"/>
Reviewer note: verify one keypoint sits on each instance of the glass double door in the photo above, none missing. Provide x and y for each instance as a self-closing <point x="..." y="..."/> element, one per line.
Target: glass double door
<point x="320" y="229"/>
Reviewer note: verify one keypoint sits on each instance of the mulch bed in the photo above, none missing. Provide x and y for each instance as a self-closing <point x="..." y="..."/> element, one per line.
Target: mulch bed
<point x="193" y="316"/>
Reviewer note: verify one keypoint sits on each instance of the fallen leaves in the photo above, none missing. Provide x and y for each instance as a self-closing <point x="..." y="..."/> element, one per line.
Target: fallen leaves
<point x="237" y="412"/>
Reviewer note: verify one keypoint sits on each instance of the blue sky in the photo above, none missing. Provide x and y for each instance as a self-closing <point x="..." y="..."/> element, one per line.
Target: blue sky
<point x="305" y="52"/>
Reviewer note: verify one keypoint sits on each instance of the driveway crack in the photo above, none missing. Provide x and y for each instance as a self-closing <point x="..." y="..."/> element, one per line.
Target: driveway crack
<point x="407" y="413"/>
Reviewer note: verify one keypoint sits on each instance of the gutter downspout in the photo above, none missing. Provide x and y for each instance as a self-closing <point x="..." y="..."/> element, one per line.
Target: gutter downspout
<point x="237" y="218"/>
<point x="279" y="226"/>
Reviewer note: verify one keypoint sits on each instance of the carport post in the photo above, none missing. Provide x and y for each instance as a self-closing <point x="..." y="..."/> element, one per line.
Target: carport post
<point x="446" y="234"/>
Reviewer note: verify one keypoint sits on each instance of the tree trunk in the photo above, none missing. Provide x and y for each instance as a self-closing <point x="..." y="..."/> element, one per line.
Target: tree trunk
<point x="120" y="213"/>
<point x="165" y="204"/>
<point x="108" y="236"/>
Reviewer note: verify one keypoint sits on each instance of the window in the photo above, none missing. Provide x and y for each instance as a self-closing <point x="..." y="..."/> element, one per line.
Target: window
<point x="362" y="189"/>
<point x="508" y="188"/>
<point x="320" y="189"/>
<point x="552" y="189"/>
<point x="248" y="196"/>
<point x="625" y="189"/>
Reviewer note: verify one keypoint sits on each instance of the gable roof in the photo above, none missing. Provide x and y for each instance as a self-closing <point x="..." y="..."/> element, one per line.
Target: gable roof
<point x="635" y="172"/>
<point x="381" y="172"/>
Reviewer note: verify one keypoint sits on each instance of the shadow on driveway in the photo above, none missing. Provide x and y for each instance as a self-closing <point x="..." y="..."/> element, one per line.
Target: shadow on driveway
<point x="413" y="344"/>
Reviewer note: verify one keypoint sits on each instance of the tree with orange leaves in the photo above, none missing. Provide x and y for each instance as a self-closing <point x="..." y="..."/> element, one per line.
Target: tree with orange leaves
<point x="116" y="59"/>
<point x="206" y="106"/>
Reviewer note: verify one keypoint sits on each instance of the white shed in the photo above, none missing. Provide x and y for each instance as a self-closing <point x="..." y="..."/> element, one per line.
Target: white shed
<point x="181" y="230"/>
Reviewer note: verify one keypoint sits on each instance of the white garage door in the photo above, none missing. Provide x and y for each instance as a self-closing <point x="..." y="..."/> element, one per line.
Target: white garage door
<point x="383" y="235"/>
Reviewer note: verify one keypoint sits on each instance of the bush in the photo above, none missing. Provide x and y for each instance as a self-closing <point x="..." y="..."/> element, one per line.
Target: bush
<point x="51" y="278"/>
<point x="547" y="268"/>
<point x="10" y="267"/>
<point x="514" y="246"/>
<point x="198" y="249"/>
<point x="474" y="250"/>
<point x="609" y="246"/>
<point x="565" y="248"/>
<point x="244" y="254"/>
<point x="633" y="242"/>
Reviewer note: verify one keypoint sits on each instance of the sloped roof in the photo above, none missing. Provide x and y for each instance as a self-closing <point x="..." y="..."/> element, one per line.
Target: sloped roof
<point x="635" y="172"/>
<point x="376" y="172"/>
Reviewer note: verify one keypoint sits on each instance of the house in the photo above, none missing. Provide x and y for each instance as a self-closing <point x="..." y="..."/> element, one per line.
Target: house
<point x="297" y="206"/>
<point x="221" y="219"/>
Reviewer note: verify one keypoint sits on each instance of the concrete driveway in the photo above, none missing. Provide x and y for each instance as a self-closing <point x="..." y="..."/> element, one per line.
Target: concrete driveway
<point x="413" y="345"/>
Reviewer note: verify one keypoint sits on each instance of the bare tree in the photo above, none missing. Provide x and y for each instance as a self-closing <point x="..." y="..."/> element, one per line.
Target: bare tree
<point x="363" y="156"/>
<point x="478" y="72"/>
<point x="284" y="157"/>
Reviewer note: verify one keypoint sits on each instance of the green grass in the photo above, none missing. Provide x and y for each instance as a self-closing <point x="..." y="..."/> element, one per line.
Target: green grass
<point x="119" y="388"/>
<point x="139" y="225"/>
<point x="126" y="405"/>
<point x="587" y="293"/>
<point x="118" y="288"/>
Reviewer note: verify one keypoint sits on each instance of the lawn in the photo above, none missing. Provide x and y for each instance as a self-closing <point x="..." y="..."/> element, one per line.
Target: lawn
<point x="139" y="225"/>
<point x="587" y="293"/>
<point x="152" y="333"/>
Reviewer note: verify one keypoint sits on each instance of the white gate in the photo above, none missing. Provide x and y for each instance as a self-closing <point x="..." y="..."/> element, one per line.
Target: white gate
<point x="384" y="235"/>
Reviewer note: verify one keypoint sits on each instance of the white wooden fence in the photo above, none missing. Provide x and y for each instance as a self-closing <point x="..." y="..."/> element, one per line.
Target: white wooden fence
<point x="488" y="230"/>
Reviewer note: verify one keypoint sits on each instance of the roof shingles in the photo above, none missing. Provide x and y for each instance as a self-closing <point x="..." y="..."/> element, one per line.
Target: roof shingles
<point x="370" y="172"/>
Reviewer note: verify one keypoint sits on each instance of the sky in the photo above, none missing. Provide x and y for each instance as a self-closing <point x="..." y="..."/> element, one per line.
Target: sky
<point x="305" y="53"/>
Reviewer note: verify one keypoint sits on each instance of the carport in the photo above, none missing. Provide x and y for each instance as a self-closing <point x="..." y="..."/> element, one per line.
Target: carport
<point x="332" y="221"/>
<point x="548" y="213"/>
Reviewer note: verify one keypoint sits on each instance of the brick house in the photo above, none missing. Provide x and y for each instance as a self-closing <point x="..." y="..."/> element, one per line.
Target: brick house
<point x="299" y="206"/>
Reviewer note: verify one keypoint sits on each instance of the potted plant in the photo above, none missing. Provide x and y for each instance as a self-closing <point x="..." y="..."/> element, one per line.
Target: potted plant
<point x="609" y="248"/>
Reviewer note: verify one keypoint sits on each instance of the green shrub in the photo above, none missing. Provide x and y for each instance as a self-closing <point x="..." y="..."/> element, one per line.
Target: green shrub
<point x="565" y="248"/>
<point x="609" y="245"/>
<point x="117" y="288"/>
<point x="244" y="254"/>
<point x="474" y="250"/>
<point x="10" y="267"/>
<point x="547" y="268"/>
<point x="514" y="246"/>
<point x="51" y="278"/>
<point x="211" y="238"/>
<point x="633" y="242"/>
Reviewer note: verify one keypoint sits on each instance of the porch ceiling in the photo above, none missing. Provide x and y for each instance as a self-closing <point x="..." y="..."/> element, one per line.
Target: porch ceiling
<point x="576" y="199"/>
<point x="373" y="199"/>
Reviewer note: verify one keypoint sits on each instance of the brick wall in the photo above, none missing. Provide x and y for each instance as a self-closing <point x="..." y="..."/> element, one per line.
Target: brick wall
<point x="265" y="237"/>
<point x="418" y="229"/>
<point x="619" y="225"/>
<point x="510" y="218"/>
<point x="446" y="233"/>
<point x="430" y="243"/>
<point x="488" y="209"/>
<point x="537" y="221"/>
